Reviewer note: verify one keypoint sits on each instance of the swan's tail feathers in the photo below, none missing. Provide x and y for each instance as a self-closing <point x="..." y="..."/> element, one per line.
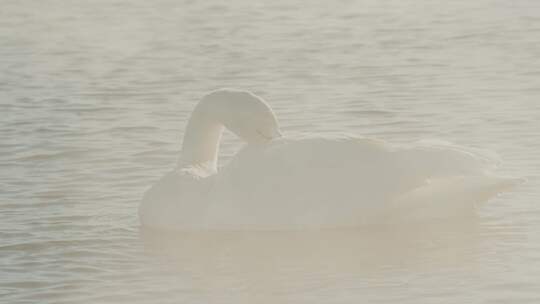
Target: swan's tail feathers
<point x="450" y="196"/>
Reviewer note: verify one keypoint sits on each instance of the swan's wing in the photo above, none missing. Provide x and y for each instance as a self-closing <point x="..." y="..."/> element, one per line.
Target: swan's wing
<point x="347" y="180"/>
<point x="447" y="197"/>
<point x="305" y="182"/>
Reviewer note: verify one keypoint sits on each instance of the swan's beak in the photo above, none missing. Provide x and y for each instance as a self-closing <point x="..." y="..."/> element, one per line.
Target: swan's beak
<point x="275" y="134"/>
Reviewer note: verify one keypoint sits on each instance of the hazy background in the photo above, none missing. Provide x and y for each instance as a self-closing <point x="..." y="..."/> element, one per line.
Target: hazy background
<point x="94" y="97"/>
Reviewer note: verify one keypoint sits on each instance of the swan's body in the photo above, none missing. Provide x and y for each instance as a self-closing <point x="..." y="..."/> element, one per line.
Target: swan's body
<point x="278" y="183"/>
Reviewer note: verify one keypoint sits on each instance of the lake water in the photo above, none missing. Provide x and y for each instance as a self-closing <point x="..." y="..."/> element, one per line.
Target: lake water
<point x="94" y="97"/>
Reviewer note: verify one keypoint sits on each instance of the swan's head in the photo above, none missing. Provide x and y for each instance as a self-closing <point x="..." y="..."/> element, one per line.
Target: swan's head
<point x="245" y="114"/>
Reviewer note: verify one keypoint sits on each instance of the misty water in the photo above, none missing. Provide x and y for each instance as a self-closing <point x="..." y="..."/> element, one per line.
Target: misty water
<point x="94" y="98"/>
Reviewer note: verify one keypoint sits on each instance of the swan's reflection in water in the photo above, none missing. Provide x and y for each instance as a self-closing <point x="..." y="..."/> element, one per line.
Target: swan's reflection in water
<point x="293" y="263"/>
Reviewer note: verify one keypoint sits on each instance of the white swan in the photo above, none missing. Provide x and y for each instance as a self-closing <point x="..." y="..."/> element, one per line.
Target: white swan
<point x="280" y="183"/>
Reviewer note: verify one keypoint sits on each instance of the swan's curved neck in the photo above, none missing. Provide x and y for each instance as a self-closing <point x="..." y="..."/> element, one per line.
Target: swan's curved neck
<point x="200" y="146"/>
